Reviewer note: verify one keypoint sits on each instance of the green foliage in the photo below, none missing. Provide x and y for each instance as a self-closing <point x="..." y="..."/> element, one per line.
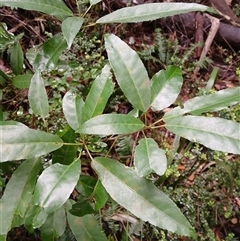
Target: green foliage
<point x="40" y="197"/>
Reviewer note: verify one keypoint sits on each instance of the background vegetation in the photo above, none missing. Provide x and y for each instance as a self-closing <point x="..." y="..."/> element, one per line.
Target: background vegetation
<point x="106" y="133"/>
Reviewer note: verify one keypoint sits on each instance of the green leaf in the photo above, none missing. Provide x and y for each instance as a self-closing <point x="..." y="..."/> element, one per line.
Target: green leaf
<point x="72" y="109"/>
<point x="93" y="2"/>
<point x="101" y="196"/>
<point x="54" y="226"/>
<point x="214" y="133"/>
<point x="149" y="157"/>
<point x="48" y="54"/>
<point x="19" y="142"/>
<point x="35" y="218"/>
<point x="81" y="208"/>
<point x="206" y="103"/>
<point x="85" y="228"/>
<point x="86" y="185"/>
<point x="130" y="72"/>
<point x="56" y="8"/>
<point x="22" y="81"/>
<point x="147" y="12"/>
<point x="55" y="185"/>
<point x="16" y="58"/>
<point x="98" y="95"/>
<point x="137" y="194"/>
<point x="70" y="28"/>
<point x="37" y="96"/>
<point x="17" y="194"/>
<point x="67" y="153"/>
<point x="166" y="86"/>
<point x="111" y="124"/>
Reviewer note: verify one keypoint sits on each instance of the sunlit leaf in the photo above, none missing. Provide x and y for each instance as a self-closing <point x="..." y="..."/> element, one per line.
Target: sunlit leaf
<point x="111" y="124"/>
<point x="146" y="12"/>
<point x="98" y="95"/>
<point x="56" y="8"/>
<point x="70" y="28"/>
<point x="55" y="185"/>
<point x="37" y="96"/>
<point x="166" y="86"/>
<point x="17" y="194"/>
<point x="19" y="142"/>
<point x="206" y="103"/>
<point x="214" y="133"/>
<point x="72" y="109"/>
<point x="149" y="157"/>
<point x="130" y="72"/>
<point x="140" y="196"/>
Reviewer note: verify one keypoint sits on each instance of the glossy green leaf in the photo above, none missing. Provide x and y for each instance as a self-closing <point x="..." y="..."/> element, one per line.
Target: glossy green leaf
<point x="147" y="12"/>
<point x="55" y="185"/>
<point x="37" y="96"/>
<point x="130" y="72"/>
<point x="98" y="95"/>
<point x="72" y="109"/>
<point x="214" y="133"/>
<point x="137" y="194"/>
<point x="67" y="153"/>
<point x="56" y="8"/>
<point x="70" y="28"/>
<point x="17" y="194"/>
<point x="111" y="124"/>
<point x="22" y="81"/>
<point x="166" y="86"/>
<point x="148" y="157"/>
<point x="48" y="54"/>
<point x="206" y="103"/>
<point x="81" y="208"/>
<point x="93" y="2"/>
<point x="86" y="185"/>
<point x="19" y="142"/>
<point x="101" y="196"/>
<point x="16" y="58"/>
<point x="85" y="228"/>
<point x="35" y="218"/>
<point x="54" y="226"/>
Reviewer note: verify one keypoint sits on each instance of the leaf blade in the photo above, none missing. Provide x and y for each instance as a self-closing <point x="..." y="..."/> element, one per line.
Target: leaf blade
<point x="149" y="157"/>
<point x="72" y="108"/>
<point x="51" y="7"/>
<point x="147" y="12"/>
<point x="48" y="54"/>
<point x="85" y="228"/>
<point x="206" y="103"/>
<point x="70" y="28"/>
<point x="98" y="95"/>
<point x="214" y="133"/>
<point x="111" y="124"/>
<point x="160" y="210"/>
<point x="166" y="86"/>
<point x="18" y="193"/>
<point x="19" y="142"/>
<point x="130" y="72"/>
<point x="37" y="96"/>
<point x="55" y="185"/>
